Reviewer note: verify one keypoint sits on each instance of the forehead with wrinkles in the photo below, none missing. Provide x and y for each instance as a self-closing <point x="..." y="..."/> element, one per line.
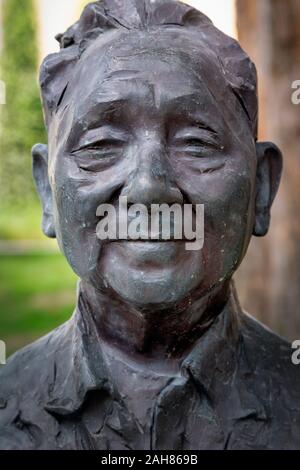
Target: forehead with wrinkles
<point x="124" y="35"/>
<point x="162" y="70"/>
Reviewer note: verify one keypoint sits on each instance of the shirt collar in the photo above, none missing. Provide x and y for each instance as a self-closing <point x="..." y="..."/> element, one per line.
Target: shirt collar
<point x="78" y="363"/>
<point x="223" y="370"/>
<point x="216" y="364"/>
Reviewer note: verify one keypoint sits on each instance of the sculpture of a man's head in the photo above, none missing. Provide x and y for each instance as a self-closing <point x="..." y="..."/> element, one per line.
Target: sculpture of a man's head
<point x="148" y="100"/>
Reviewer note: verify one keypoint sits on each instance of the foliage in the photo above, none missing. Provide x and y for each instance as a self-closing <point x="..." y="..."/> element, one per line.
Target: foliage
<point x="21" y="118"/>
<point x="37" y="293"/>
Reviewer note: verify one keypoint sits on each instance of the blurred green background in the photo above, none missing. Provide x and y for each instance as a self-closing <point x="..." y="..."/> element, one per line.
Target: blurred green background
<point x="37" y="293"/>
<point x="37" y="288"/>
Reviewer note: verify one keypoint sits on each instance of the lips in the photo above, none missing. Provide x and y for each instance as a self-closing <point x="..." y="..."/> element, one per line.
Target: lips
<point x="153" y="252"/>
<point x="165" y="233"/>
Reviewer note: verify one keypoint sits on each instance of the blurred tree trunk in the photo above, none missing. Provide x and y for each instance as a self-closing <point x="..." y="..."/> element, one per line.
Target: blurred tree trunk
<point x="269" y="279"/>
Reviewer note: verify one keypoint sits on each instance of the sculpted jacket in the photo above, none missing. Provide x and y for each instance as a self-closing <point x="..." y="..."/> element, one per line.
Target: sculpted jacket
<point x="238" y="389"/>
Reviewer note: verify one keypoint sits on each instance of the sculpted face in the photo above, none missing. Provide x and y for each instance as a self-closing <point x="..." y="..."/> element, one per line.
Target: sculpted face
<point x="153" y="119"/>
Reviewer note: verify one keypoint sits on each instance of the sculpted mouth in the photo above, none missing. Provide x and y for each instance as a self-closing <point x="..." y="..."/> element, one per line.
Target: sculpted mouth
<point x="171" y="240"/>
<point x="160" y="222"/>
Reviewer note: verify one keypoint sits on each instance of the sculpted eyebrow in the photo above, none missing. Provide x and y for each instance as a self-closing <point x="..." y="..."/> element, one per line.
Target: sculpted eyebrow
<point x="206" y="127"/>
<point x="194" y="117"/>
<point x="102" y="110"/>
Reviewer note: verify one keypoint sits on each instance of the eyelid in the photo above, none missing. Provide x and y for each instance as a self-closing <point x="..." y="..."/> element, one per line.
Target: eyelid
<point x="196" y="133"/>
<point x="98" y="143"/>
<point x="95" y="137"/>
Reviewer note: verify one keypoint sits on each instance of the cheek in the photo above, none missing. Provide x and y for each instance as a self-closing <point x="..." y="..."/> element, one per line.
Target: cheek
<point x="228" y="222"/>
<point x="80" y="192"/>
<point x="228" y="218"/>
<point x="76" y="236"/>
<point x="77" y="194"/>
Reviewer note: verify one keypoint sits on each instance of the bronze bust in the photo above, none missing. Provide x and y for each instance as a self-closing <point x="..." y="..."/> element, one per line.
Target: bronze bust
<point x="147" y="99"/>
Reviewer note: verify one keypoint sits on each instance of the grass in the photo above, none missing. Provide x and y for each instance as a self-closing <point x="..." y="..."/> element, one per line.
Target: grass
<point x="37" y="293"/>
<point x="21" y="223"/>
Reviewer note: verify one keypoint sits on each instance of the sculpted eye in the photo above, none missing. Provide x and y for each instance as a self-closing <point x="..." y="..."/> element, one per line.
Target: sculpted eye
<point x="196" y="142"/>
<point x="96" y="154"/>
<point x="197" y="146"/>
<point x="104" y="145"/>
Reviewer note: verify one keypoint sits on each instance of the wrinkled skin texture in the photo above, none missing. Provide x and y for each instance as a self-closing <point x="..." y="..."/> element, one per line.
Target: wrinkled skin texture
<point x="158" y="354"/>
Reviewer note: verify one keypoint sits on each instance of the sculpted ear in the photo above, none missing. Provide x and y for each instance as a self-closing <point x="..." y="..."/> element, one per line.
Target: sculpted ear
<point x="40" y="174"/>
<point x="269" y="169"/>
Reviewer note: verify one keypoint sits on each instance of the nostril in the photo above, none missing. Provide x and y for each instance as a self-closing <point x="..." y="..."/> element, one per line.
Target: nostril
<point x="151" y="183"/>
<point x="176" y="195"/>
<point x="155" y="192"/>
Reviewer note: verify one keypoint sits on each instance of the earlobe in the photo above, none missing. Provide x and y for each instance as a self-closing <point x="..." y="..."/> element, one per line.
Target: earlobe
<point x="269" y="169"/>
<point x="40" y="174"/>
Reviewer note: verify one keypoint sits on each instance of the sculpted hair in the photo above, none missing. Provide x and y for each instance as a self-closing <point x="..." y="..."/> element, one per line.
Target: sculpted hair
<point x="131" y="15"/>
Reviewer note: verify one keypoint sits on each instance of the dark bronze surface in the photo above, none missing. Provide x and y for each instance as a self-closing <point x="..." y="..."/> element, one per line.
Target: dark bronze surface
<point x="148" y="100"/>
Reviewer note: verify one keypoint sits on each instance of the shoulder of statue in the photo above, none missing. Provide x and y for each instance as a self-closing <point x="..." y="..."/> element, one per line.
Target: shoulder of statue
<point x="24" y="383"/>
<point x="271" y="358"/>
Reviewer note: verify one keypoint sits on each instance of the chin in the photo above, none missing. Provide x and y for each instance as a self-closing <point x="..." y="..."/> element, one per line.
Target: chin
<point x="158" y="288"/>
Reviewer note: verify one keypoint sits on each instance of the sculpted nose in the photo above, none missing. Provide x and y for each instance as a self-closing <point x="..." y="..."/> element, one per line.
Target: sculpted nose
<point x="151" y="180"/>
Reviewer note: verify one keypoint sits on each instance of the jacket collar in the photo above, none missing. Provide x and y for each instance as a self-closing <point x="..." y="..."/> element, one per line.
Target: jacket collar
<point x="223" y="370"/>
<point x="78" y="364"/>
<point x="217" y="365"/>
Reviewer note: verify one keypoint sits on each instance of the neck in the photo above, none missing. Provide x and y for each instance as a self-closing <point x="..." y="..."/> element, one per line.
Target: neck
<point x="148" y="335"/>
